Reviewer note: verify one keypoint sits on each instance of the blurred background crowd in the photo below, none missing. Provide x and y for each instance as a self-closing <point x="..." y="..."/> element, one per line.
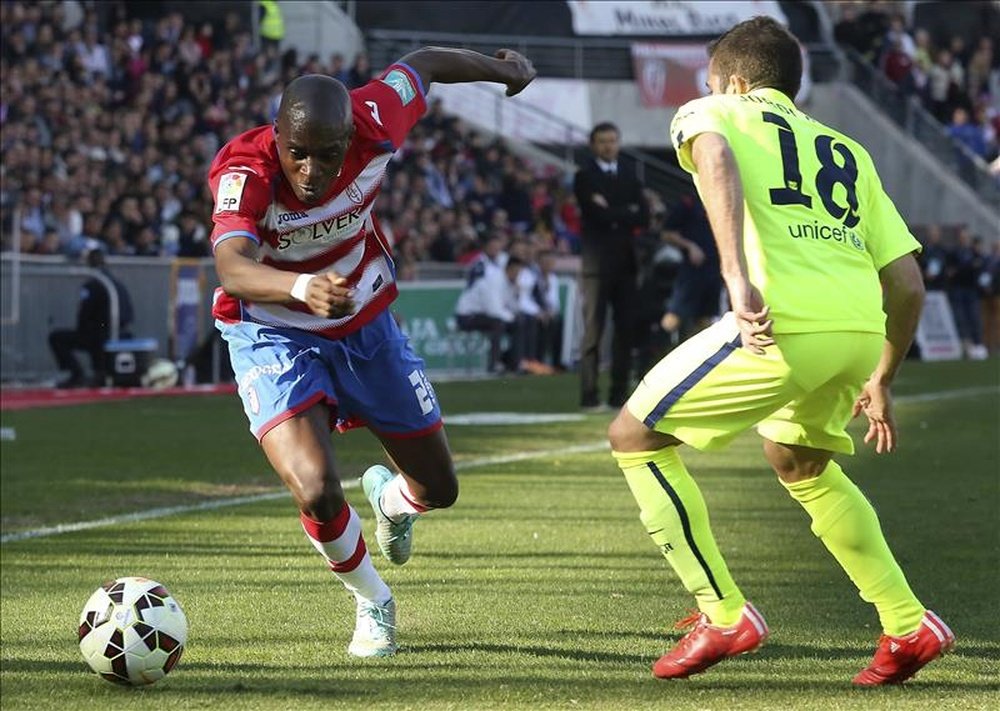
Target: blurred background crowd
<point x="109" y="123"/>
<point x="953" y="76"/>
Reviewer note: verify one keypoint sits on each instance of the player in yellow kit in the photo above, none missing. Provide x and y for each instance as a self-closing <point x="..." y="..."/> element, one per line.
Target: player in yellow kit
<point x="826" y="294"/>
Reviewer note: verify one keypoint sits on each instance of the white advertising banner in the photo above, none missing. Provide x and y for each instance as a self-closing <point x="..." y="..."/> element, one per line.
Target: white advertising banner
<point x="670" y="19"/>
<point x="936" y="332"/>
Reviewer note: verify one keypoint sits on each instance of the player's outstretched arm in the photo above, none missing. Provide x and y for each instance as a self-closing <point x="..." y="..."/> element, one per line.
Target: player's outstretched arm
<point x="903" y="289"/>
<point x="722" y="192"/>
<point x="449" y="65"/>
<point x="243" y="277"/>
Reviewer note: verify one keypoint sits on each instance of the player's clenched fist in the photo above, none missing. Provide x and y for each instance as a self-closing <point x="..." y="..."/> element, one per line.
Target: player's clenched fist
<point x="329" y="295"/>
<point x="522" y="71"/>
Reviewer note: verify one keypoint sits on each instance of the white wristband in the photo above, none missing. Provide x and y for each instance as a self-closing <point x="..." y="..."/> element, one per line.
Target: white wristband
<point x="298" y="291"/>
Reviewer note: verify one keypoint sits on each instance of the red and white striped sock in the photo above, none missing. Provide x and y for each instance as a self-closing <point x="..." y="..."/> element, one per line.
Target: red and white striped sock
<point x="398" y="501"/>
<point x="339" y="540"/>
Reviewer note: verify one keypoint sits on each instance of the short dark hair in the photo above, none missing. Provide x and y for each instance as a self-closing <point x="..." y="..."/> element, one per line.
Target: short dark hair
<point x="602" y="127"/>
<point x="763" y="52"/>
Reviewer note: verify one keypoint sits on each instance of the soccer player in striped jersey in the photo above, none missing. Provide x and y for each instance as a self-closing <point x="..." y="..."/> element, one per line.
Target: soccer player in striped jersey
<point x="307" y="279"/>
<point x="826" y="295"/>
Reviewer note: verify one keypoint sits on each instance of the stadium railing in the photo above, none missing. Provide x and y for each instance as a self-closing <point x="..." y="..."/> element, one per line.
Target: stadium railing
<point x="907" y="113"/>
<point x="565" y="143"/>
<point x="558" y="57"/>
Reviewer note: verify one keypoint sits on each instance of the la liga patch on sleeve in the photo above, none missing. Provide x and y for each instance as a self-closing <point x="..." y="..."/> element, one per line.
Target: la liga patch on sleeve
<point x="401" y="84"/>
<point x="230" y="192"/>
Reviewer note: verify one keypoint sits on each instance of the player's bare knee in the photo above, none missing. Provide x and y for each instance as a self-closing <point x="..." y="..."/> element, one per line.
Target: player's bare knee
<point x="621" y="433"/>
<point x="316" y="492"/>
<point x="443" y="495"/>
<point x="793" y="464"/>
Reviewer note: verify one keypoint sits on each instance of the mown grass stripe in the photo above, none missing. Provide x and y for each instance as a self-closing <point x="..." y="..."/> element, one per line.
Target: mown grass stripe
<point x="267" y="496"/>
<point x="352" y="483"/>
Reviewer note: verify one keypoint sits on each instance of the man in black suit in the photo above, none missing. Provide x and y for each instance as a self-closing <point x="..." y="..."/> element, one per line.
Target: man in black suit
<point x="613" y="209"/>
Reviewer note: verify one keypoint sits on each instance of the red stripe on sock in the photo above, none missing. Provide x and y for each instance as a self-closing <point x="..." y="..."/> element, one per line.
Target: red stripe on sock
<point x="346" y="566"/>
<point x="326" y="531"/>
<point x="419" y="507"/>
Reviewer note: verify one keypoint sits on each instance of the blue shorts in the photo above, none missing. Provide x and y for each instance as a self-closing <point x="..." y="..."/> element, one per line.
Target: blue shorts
<point x="369" y="378"/>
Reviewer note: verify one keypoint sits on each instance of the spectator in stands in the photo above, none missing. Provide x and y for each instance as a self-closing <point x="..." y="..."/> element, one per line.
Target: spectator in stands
<point x="963" y="293"/>
<point x="989" y="283"/>
<point x="550" y="319"/>
<point x="488" y="304"/>
<point x="897" y="64"/>
<point x="934" y="260"/>
<point x="337" y="68"/>
<point x="694" y="301"/>
<point x="93" y="321"/>
<point x="613" y="208"/>
<point x="944" y="82"/>
<point x="360" y="72"/>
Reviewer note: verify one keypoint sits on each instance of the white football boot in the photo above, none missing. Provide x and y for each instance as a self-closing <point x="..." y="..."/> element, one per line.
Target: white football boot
<point x="395" y="539"/>
<point x="374" y="630"/>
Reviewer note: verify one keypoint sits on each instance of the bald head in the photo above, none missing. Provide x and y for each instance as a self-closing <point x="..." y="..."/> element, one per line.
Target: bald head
<point x="313" y="132"/>
<point x="316" y="98"/>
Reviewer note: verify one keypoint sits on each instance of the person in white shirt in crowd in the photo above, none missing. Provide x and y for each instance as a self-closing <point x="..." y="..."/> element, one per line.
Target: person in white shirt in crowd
<point x="489" y="305"/>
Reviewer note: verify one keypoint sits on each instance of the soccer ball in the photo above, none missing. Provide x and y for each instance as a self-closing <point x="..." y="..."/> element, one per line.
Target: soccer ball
<point x="161" y="373"/>
<point x="132" y="631"/>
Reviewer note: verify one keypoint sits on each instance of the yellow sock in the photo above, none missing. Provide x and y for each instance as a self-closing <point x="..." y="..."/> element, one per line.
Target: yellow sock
<point x="844" y="520"/>
<point x="674" y="513"/>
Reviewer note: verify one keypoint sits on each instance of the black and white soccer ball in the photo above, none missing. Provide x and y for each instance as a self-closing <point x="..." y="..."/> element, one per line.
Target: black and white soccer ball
<point x="132" y="631"/>
<point x="161" y="374"/>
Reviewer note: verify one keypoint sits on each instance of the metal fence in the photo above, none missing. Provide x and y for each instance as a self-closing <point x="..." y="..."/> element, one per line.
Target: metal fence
<point x="557" y="57"/>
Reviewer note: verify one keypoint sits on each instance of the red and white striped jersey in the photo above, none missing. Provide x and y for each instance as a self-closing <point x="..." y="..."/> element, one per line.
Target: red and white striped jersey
<point x="254" y="201"/>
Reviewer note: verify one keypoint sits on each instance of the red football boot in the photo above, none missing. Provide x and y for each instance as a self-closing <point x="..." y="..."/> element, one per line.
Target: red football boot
<point x="899" y="658"/>
<point x="707" y="644"/>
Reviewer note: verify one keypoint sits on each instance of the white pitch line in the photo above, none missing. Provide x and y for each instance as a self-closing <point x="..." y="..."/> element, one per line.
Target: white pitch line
<point x="277" y="494"/>
<point x="948" y="394"/>
<point x="354" y="483"/>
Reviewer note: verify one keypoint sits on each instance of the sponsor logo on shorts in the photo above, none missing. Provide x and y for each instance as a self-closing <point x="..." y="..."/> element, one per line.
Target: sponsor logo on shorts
<point x="257" y="371"/>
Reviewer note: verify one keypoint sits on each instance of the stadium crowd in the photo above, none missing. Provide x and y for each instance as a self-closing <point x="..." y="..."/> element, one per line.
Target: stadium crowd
<point x="955" y="77"/>
<point x="110" y="122"/>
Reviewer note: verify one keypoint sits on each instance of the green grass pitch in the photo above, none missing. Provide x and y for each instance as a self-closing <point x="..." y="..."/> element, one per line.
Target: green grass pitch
<point x="538" y="590"/>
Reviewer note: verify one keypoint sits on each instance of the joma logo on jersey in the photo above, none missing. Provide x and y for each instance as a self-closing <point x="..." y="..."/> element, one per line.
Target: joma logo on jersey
<point x="325" y="231"/>
<point x="289" y="216"/>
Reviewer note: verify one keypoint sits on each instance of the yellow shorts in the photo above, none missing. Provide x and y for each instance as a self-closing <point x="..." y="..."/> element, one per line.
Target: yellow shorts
<point x="801" y="391"/>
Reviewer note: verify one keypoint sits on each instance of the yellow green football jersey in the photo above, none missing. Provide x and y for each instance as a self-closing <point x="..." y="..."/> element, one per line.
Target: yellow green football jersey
<point x="818" y="225"/>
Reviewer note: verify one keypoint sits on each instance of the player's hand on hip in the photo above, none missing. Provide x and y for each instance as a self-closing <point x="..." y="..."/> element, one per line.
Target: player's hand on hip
<point x="875" y="401"/>
<point x="751" y="317"/>
<point x="521" y="71"/>
<point x="329" y="295"/>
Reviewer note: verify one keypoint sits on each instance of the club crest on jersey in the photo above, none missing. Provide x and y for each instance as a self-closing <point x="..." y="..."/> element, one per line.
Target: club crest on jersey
<point x="230" y="193"/>
<point x="354" y="193"/>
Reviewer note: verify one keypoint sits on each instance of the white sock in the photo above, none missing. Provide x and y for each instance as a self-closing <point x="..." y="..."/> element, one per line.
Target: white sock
<point x="341" y="543"/>
<point x="398" y="501"/>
